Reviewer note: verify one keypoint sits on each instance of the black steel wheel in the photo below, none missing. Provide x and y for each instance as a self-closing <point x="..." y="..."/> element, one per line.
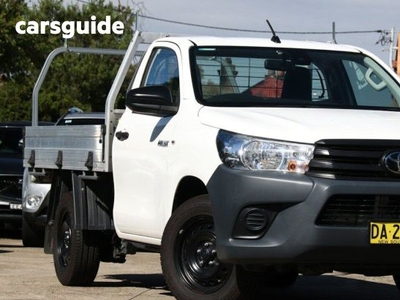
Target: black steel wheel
<point x="189" y="257"/>
<point x="197" y="260"/>
<point x="75" y="253"/>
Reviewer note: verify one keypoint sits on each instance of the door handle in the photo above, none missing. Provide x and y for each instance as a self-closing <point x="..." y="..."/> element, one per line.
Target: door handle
<point x="122" y="135"/>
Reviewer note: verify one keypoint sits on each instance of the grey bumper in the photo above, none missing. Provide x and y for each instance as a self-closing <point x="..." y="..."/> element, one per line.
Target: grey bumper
<point x="293" y="235"/>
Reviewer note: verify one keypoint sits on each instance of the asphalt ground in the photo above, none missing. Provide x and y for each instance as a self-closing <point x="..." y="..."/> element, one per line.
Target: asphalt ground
<point x="28" y="273"/>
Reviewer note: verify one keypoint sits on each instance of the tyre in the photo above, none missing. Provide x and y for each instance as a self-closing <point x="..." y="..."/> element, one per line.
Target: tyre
<point x="279" y="279"/>
<point x="189" y="260"/>
<point x="75" y="253"/>
<point x="31" y="237"/>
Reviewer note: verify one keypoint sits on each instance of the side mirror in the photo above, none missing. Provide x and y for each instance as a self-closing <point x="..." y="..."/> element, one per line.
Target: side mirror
<point x="152" y="100"/>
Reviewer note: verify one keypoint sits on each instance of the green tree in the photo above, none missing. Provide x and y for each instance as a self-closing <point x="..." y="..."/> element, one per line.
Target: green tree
<point x="73" y="80"/>
<point x="15" y="65"/>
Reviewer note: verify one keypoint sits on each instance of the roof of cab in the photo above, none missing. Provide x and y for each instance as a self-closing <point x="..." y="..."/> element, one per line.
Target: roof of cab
<point x="257" y="42"/>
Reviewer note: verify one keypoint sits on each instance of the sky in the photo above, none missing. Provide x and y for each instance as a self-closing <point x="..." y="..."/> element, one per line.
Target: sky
<point x="285" y="16"/>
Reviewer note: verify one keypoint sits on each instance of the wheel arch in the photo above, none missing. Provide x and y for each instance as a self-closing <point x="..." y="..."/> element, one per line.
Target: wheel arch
<point x="188" y="187"/>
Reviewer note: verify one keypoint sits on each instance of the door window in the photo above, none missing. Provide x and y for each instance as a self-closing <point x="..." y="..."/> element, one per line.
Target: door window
<point x="163" y="70"/>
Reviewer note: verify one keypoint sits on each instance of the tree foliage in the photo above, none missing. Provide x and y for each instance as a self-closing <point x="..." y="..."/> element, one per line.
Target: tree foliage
<point x="73" y="80"/>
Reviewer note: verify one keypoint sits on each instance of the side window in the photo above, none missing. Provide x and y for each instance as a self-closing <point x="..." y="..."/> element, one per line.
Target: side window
<point x="163" y="70"/>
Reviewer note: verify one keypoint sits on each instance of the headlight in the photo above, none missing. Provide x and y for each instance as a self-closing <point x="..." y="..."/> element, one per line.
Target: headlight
<point x="239" y="151"/>
<point x="33" y="201"/>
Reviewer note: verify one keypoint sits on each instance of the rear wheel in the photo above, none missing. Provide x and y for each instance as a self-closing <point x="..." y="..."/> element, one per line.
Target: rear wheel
<point x="75" y="253"/>
<point x="189" y="259"/>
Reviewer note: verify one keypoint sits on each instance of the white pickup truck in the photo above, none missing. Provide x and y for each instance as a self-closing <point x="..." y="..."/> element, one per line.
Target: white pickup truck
<point x="242" y="161"/>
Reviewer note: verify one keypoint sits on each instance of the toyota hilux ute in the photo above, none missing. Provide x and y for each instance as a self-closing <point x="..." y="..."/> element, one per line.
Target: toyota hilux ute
<point x="243" y="161"/>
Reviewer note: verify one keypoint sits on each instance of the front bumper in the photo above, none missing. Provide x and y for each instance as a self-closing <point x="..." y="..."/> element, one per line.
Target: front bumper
<point x="296" y="234"/>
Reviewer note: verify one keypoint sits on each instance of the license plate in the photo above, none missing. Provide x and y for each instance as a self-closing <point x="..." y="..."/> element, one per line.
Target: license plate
<point x="384" y="233"/>
<point x="15" y="206"/>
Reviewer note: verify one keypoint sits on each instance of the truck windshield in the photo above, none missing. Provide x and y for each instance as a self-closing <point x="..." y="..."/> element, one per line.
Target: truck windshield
<point x="232" y="76"/>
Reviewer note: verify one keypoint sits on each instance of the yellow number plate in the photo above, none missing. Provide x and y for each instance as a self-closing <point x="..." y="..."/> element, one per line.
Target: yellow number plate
<point x="384" y="233"/>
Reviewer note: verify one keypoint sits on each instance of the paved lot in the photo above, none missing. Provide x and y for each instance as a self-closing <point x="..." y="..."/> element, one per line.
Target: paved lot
<point x="28" y="273"/>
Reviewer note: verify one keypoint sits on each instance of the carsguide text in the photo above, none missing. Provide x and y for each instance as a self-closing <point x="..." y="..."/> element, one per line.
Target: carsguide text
<point x="70" y="28"/>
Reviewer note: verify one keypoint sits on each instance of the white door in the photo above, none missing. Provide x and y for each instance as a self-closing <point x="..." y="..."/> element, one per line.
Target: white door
<point x="140" y="157"/>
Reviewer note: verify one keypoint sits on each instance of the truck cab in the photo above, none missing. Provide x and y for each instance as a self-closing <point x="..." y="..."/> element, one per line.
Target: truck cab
<point x="287" y="167"/>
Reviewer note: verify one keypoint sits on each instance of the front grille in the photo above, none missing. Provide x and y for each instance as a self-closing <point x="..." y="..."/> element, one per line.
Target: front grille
<point x="11" y="186"/>
<point x="352" y="159"/>
<point x="359" y="210"/>
<point x="6" y="212"/>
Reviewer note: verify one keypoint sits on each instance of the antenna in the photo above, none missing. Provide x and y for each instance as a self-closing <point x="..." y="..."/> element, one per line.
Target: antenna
<point x="274" y="38"/>
<point x="334" y="33"/>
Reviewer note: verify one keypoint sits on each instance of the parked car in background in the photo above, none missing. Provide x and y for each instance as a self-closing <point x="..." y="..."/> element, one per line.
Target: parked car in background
<point x="34" y="209"/>
<point x="11" y="170"/>
<point x="35" y="188"/>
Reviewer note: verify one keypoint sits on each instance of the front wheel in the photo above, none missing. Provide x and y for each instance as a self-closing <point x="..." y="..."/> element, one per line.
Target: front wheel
<point x="189" y="260"/>
<point x="75" y="253"/>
